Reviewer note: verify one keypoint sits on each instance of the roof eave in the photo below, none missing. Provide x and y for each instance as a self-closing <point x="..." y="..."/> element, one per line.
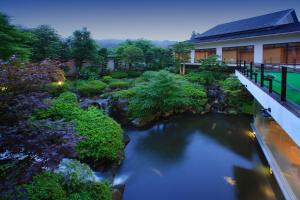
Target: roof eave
<point x="275" y="34"/>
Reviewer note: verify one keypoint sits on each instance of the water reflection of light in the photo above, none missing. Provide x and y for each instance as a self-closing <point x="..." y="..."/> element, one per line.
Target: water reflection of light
<point x="250" y="134"/>
<point x="121" y="179"/>
<point x="156" y="171"/>
<point x="230" y="180"/>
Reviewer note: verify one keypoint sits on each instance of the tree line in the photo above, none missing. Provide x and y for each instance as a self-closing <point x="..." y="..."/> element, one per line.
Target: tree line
<point x="43" y="42"/>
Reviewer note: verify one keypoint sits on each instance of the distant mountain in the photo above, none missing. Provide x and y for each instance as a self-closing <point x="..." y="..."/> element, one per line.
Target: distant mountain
<point x="114" y="43"/>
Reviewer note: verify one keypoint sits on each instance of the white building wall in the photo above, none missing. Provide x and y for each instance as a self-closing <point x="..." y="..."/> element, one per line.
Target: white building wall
<point x="192" y="56"/>
<point x="285" y="118"/>
<point x="258" y="43"/>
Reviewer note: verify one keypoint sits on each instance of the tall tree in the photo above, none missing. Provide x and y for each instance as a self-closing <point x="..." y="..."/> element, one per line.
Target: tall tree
<point x="46" y="44"/>
<point x="132" y="54"/>
<point x="182" y="51"/>
<point x="83" y="47"/>
<point x="13" y="41"/>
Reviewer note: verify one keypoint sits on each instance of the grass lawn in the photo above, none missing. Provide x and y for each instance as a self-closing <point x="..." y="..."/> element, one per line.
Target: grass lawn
<point x="293" y="80"/>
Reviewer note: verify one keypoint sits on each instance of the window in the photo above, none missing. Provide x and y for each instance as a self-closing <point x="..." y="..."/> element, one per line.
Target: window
<point x="293" y="53"/>
<point x="275" y="54"/>
<point x="203" y="53"/>
<point x="287" y="53"/>
<point x="232" y="55"/>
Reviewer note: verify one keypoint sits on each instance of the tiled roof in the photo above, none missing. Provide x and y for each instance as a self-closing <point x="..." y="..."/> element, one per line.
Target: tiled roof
<point x="273" y="23"/>
<point x="288" y="28"/>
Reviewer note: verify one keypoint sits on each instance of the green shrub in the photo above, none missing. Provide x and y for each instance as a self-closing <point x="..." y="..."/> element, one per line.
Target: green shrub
<point x="134" y="73"/>
<point x="90" y="72"/>
<point x="193" y="77"/>
<point x="90" y="87"/>
<point x="107" y="79"/>
<point x="64" y="106"/>
<point x="124" y="94"/>
<point x="55" y="88"/>
<point x="103" y="138"/>
<point x="165" y="92"/>
<point x="46" y="186"/>
<point x="118" y="84"/>
<point x="236" y="95"/>
<point x="119" y="74"/>
<point x="53" y="186"/>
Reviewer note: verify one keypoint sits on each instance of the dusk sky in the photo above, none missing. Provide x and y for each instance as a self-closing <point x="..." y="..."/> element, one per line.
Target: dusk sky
<point x="122" y="19"/>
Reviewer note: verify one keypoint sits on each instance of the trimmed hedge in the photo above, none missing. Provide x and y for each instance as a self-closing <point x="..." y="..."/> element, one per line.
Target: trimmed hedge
<point x="118" y="84"/>
<point x="119" y="74"/>
<point x="90" y="87"/>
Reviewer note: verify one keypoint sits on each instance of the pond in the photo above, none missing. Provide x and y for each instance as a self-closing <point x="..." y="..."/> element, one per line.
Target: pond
<point x="196" y="157"/>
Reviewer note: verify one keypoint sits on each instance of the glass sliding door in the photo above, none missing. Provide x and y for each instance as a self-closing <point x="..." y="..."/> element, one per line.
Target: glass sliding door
<point x="229" y="55"/>
<point x="203" y="54"/>
<point x="246" y="54"/>
<point x="232" y="55"/>
<point x="293" y="53"/>
<point x="275" y="54"/>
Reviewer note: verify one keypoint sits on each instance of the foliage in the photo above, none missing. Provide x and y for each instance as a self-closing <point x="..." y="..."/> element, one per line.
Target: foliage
<point x="143" y="51"/>
<point x="52" y="186"/>
<point x="165" y="92"/>
<point x="118" y="84"/>
<point x="102" y="140"/>
<point x="13" y="41"/>
<point x="64" y="106"/>
<point x="103" y="137"/>
<point x="46" y="186"/>
<point x="89" y="87"/>
<point x="211" y="63"/>
<point x="46" y="43"/>
<point x="132" y="54"/>
<point x="29" y="78"/>
<point x="182" y="51"/>
<point x="134" y="73"/>
<point x="107" y="79"/>
<point x="119" y="74"/>
<point x="90" y="72"/>
<point x="83" y="47"/>
<point x="55" y="88"/>
<point x="236" y="95"/>
<point x="124" y="94"/>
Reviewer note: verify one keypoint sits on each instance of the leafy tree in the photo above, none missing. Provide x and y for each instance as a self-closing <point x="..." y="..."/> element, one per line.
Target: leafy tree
<point x="83" y="47"/>
<point x="46" y="43"/>
<point x="13" y="41"/>
<point x="144" y="45"/>
<point x="164" y="92"/>
<point x="182" y="51"/>
<point x="132" y="54"/>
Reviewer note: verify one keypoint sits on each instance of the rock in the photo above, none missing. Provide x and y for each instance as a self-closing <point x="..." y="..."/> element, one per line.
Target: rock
<point x="118" y="191"/>
<point x="126" y="139"/>
<point x="207" y="107"/>
<point x="232" y="111"/>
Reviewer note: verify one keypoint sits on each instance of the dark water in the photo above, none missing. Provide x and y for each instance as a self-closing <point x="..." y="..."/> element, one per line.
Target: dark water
<point x="196" y="157"/>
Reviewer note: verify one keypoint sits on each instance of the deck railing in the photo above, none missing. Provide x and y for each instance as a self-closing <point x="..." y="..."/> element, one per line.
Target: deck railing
<point x="261" y="75"/>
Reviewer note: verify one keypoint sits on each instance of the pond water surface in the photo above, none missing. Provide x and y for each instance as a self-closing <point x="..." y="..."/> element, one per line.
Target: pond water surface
<point x="196" y="157"/>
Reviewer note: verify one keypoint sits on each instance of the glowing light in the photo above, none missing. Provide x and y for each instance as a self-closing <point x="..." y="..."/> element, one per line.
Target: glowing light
<point x="250" y="134"/>
<point x="59" y="83"/>
<point x="3" y="89"/>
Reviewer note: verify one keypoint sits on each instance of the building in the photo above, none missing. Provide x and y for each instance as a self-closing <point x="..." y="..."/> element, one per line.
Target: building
<point x="272" y="39"/>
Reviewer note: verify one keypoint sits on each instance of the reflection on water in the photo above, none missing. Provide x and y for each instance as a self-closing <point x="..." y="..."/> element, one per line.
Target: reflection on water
<point x="196" y="157"/>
